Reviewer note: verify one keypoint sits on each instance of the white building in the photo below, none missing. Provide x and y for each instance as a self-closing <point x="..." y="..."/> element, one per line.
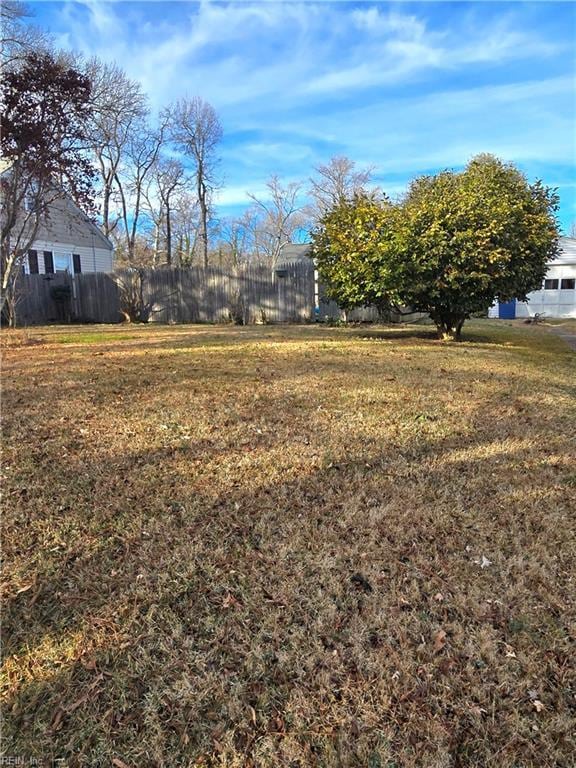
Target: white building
<point x="68" y="241"/>
<point x="556" y="297"/>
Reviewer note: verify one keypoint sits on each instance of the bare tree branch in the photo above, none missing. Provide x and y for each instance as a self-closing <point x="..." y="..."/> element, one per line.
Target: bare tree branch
<point x="280" y="218"/>
<point x="196" y="129"/>
<point x="335" y="182"/>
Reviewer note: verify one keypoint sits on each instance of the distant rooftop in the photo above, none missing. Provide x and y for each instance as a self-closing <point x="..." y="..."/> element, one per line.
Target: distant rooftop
<point x="295" y="252"/>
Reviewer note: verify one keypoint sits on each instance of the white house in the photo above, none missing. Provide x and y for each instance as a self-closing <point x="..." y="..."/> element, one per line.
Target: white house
<point x="68" y="241"/>
<point x="556" y="297"/>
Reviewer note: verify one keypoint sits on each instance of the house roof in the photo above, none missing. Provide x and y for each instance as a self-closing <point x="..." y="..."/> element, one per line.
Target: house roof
<point x="85" y="220"/>
<point x="67" y="223"/>
<point x="295" y="252"/>
<point x="567" y="253"/>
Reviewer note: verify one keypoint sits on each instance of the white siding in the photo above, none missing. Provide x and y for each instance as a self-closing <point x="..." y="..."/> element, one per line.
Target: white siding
<point x="91" y="259"/>
<point x="552" y="303"/>
<point x="557" y="302"/>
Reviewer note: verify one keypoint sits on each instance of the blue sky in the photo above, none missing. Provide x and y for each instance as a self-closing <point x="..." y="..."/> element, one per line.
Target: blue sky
<point x="409" y="88"/>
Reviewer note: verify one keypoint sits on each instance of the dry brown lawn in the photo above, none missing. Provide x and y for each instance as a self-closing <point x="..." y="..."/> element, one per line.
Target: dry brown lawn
<point x="289" y="546"/>
<point x="568" y="324"/>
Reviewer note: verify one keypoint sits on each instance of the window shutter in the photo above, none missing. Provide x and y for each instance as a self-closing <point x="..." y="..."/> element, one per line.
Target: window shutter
<point x="48" y="263"/>
<point x="33" y="262"/>
<point x="76" y="263"/>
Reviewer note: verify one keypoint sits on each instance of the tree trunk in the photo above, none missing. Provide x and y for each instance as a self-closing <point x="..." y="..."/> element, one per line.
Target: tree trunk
<point x="106" y="211"/>
<point x="203" y="234"/>
<point x="156" y="245"/>
<point x="168" y="236"/>
<point x="449" y="327"/>
<point x="201" y="189"/>
<point x="9" y="299"/>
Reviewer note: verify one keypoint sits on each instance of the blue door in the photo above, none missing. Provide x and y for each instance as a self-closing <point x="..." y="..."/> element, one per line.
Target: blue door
<point x="507" y="310"/>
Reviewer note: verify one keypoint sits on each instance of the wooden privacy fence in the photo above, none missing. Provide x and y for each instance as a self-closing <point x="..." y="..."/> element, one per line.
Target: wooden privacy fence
<point x="247" y="294"/>
<point x="63" y="298"/>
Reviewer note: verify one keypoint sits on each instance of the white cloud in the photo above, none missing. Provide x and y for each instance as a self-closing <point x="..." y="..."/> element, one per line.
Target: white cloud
<point x="288" y="53"/>
<point x="447" y="128"/>
<point x="237" y="195"/>
<point x="295" y="82"/>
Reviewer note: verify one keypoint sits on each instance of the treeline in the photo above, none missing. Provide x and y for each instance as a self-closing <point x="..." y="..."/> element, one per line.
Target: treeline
<point x="156" y="177"/>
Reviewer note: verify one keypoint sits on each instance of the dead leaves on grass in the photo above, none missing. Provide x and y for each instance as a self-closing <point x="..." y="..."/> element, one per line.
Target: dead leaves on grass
<point x="282" y="577"/>
<point x="440" y="640"/>
<point x="535" y="700"/>
<point x="117" y="763"/>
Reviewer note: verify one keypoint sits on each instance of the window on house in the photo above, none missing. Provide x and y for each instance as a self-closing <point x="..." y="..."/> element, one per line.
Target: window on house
<point x="62" y="262"/>
<point x="31" y="198"/>
<point x="550" y="285"/>
<point x="568" y="283"/>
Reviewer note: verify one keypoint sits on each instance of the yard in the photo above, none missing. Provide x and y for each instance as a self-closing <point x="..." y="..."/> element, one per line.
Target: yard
<point x="289" y="546"/>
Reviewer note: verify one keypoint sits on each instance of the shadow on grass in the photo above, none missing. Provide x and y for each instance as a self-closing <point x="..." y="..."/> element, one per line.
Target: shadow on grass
<point x="396" y="334"/>
<point x="177" y="617"/>
<point x="196" y="609"/>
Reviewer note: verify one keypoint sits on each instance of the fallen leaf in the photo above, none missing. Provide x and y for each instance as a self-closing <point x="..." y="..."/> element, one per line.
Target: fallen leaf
<point x="119" y="763"/>
<point x="24" y="589"/>
<point x="439" y="597"/>
<point x="229" y="601"/>
<point x="439" y="640"/>
<point x="538" y="706"/>
<point x="252" y="713"/>
<point x="56" y="720"/>
<point x="278" y="724"/>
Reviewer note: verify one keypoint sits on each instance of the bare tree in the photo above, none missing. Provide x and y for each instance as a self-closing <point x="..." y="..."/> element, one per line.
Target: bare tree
<point x="196" y="129"/>
<point x="119" y="110"/>
<point x="335" y="182"/>
<point x="169" y="179"/>
<point x="186" y="226"/>
<point x="279" y="219"/>
<point x="236" y="237"/>
<point x="19" y="38"/>
<point x="140" y="158"/>
<point x="142" y="252"/>
<point x="153" y="228"/>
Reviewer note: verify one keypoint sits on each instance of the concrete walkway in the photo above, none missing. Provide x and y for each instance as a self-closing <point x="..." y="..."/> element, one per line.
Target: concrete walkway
<point x="568" y="336"/>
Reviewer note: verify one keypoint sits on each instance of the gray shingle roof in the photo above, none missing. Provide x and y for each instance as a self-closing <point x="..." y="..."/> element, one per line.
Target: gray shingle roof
<point x="294" y="252"/>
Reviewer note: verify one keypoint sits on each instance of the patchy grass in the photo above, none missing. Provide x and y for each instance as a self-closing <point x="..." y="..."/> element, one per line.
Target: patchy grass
<point x="290" y="546"/>
<point x="91" y="338"/>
